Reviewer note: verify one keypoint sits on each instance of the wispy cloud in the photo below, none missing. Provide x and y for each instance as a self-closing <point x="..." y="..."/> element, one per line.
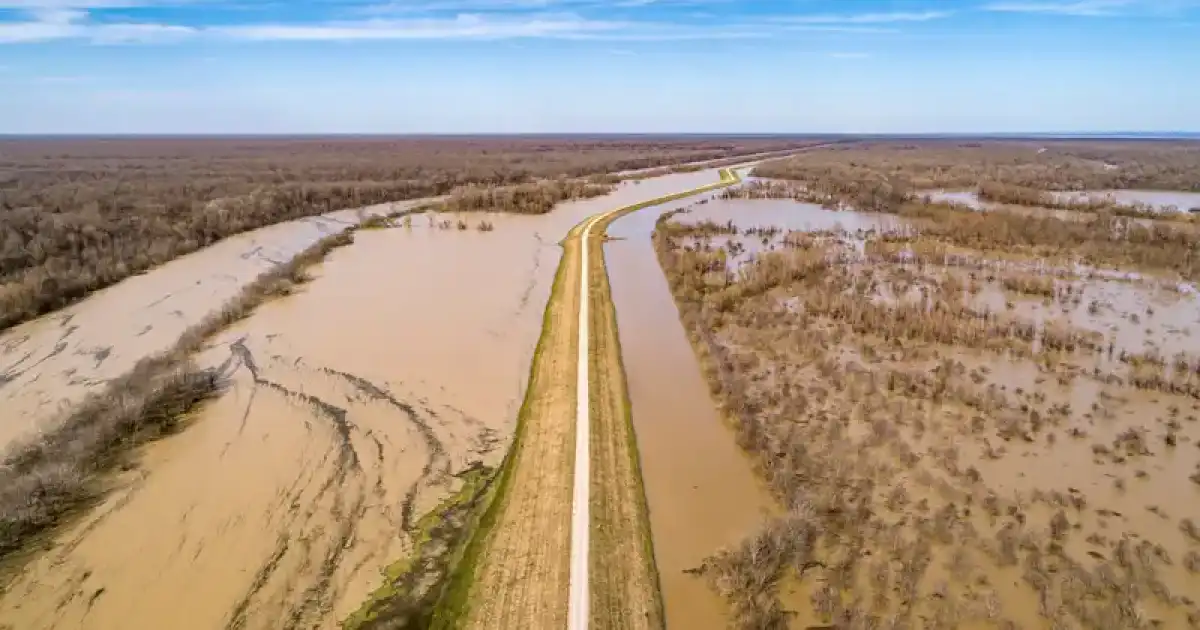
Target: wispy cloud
<point x="45" y="5"/>
<point x="867" y="18"/>
<point x="1088" y="8"/>
<point x="350" y="20"/>
<point x="412" y="7"/>
<point x="47" y="24"/>
<point x="466" y="26"/>
<point x="1093" y="8"/>
<point x="71" y="24"/>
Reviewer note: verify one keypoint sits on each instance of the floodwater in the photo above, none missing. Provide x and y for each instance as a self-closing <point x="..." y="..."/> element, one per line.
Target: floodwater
<point x="50" y="364"/>
<point x="1162" y="200"/>
<point x="352" y="406"/>
<point x="1159" y="199"/>
<point x="789" y="215"/>
<point x="1135" y="316"/>
<point x="702" y="491"/>
<point x="966" y="198"/>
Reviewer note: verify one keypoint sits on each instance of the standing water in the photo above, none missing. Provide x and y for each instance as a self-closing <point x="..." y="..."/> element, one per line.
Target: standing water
<point x="701" y="490"/>
<point x="351" y="408"/>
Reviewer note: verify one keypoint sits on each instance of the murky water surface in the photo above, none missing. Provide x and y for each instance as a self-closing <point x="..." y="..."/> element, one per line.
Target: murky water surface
<point x="1160" y="199"/>
<point x="701" y="489"/>
<point x="352" y="406"/>
<point x="49" y="364"/>
<point x="1061" y="433"/>
<point x="787" y="214"/>
<point x="966" y="198"/>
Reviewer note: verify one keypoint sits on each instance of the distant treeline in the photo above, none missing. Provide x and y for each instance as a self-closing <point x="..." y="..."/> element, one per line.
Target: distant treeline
<point x="77" y="215"/>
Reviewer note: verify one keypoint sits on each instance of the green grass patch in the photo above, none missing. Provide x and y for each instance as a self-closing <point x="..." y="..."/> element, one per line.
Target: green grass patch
<point x="453" y="604"/>
<point x="408" y="594"/>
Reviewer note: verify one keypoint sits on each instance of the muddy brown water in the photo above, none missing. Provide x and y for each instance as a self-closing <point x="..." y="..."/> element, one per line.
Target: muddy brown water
<point x="701" y="490"/>
<point x="1137" y="497"/>
<point x="49" y="364"/>
<point x="1162" y="200"/>
<point x="787" y="214"/>
<point x="1147" y="505"/>
<point x="351" y="407"/>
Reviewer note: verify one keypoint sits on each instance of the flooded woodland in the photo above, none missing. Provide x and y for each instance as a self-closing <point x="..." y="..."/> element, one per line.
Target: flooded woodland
<point x="968" y="419"/>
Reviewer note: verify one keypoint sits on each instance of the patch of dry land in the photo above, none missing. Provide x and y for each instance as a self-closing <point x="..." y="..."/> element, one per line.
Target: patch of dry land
<point x="972" y="419"/>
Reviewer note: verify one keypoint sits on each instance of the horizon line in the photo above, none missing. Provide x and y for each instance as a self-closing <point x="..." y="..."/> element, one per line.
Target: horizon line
<point x="1110" y="134"/>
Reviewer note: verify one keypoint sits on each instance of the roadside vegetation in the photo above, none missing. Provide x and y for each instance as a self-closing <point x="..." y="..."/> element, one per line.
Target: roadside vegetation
<point x="79" y="215"/>
<point x="962" y="426"/>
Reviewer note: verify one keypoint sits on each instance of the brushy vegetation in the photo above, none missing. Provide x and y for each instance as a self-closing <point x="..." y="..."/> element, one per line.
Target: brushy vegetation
<point x="47" y="477"/>
<point x="1103" y="238"/>
<point x="79" y="215"/>
<point x="888" y="411"/>
<point x="1042" y="165"/>
<point x="534" y="198"/>
<point x="882" y="176"/>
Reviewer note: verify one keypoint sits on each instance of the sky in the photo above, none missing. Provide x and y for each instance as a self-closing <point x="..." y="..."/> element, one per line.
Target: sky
<point x="611" y="66"/>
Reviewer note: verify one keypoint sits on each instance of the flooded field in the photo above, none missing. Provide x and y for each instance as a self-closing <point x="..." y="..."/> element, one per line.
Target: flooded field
<point x="353" y="407"/>
<point x="701" y="489"/>
<point x="968" y="198"/>
<point x="956" y="445"/>
<point x="50" y="364"/>
<point x="1163" y="200"/>
<point x="1160" y="200"/>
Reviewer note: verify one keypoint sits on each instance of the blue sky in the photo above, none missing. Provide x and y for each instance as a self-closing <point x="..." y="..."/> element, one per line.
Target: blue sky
<point x="462" y="66"/>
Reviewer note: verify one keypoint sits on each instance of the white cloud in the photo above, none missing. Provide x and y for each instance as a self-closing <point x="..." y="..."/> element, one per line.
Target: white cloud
<point x="459" y="27"/>
<point x="1092" y="8"/>
<point x="50" y="20"/>
<point x="46" y="5"/>
<point x="867" y="18"/>
<point x="58" y="24"/>
<point x="413" y="7"/>
<point x="1080" y="7"/>
<point x="833" y="28"/>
